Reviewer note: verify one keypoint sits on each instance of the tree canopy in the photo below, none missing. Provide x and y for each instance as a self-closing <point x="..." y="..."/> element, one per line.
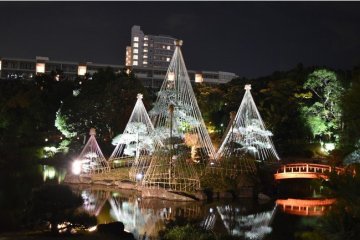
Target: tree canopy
<point x="104" y="103"/>
<point x="323" y="112"/>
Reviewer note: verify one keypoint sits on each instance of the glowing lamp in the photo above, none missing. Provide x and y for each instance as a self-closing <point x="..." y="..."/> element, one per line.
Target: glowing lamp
<point x="139" y="176"/>
<point x="40" y="68"/>
<point x="198" y="78"/>
<point x="329" y="146"/>
<point x="76" y="167"/>
<point x="171" y="76"/>
<point x="247" y="87"/>
<point x="81" y="70"/>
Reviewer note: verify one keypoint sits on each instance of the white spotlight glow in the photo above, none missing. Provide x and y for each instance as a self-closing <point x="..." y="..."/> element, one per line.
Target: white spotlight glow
<point x="76" y="167"/>
<point x="139" y="176"/>
<point x="329" y="146"/>
<point x="171" y="76"/>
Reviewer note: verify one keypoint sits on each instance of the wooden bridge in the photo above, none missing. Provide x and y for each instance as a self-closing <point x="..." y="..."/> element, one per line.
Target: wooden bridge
<point x="305" y="170"/>
<point x="305" y="207"/>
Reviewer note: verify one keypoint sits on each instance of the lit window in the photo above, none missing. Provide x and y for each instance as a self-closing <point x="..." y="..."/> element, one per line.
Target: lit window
<point x="136" y="45"/>
<point x="145" y="56"/>
<point x="168" y="59"/>
<point x="81" y="70"/>
<point x="136" y="39"/>
<point x="168" y="48"/>
<point x="198" y="78"/>
<point x="135" y="63"/>
<point x="146" y="44"/>
<point x="135" y="57"/>
<point x="145" y="62"/>
<point x="40" y="68"/>
<point x="145" y="50"/>
<point x="146" y="38"/>
<point x="163" y="46"/>
<point x="136" y="50"/>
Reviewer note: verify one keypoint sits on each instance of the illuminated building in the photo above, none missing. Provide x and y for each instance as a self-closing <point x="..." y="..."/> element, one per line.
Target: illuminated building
<point x="147" y="50"/>
<point x="26" y="69"/>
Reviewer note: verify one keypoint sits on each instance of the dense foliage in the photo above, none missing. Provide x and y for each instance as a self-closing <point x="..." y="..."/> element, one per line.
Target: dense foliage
<point x="105" y="102"/>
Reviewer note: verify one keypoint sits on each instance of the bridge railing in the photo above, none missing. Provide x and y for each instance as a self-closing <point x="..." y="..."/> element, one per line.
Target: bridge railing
<point x="308" y="168"/>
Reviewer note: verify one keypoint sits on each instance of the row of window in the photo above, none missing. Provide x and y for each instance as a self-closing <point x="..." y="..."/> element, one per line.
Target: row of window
<point x="159" y="46"/>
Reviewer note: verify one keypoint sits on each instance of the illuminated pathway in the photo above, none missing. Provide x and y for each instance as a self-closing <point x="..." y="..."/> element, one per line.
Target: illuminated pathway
<point x="305" y="207"/>
<point x="305" y="170"/>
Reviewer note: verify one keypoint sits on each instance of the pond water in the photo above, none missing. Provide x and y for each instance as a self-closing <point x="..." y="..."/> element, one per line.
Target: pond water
<point x="247" y="218"/>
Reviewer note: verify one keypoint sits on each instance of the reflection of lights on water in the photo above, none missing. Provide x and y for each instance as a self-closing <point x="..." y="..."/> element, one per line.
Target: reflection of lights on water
<point x="49" y="172"/>
<point x="140" y="218"/>
<point x="76" y="167"/>
<point x="253" y="226"/>
<point x="91" y="229"/>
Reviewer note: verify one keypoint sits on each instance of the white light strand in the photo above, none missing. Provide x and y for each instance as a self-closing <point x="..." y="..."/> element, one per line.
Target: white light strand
<point x="248" y="133"/>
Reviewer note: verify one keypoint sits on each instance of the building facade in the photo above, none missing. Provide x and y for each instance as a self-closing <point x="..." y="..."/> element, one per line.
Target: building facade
<point x="147" y="50"/>
<point x="26" y="69"/>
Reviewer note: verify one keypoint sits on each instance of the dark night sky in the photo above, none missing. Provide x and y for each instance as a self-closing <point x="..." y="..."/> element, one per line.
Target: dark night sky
<point x="251" y="39"/>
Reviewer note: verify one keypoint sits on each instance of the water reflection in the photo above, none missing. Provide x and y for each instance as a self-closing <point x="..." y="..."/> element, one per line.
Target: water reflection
<point x="305" y="207"/>
<point x="250" y="226"/>
<point x="146" y="217"/>
<point x="94" y="201"/>
<point x="51" y="173"/>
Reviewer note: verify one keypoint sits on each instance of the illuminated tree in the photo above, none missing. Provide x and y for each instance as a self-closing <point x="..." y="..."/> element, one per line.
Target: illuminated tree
<point x="323" y="114"/>
<point x="101" y="103"/>
<point x="247" y="134"/>
<point x="91" y="159"/>
<point x="178" y="123"/>
<point x="177" y="90"/>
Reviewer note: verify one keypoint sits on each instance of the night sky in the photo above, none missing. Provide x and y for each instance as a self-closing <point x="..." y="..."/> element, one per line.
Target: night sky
<point x="251" y="39"/>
